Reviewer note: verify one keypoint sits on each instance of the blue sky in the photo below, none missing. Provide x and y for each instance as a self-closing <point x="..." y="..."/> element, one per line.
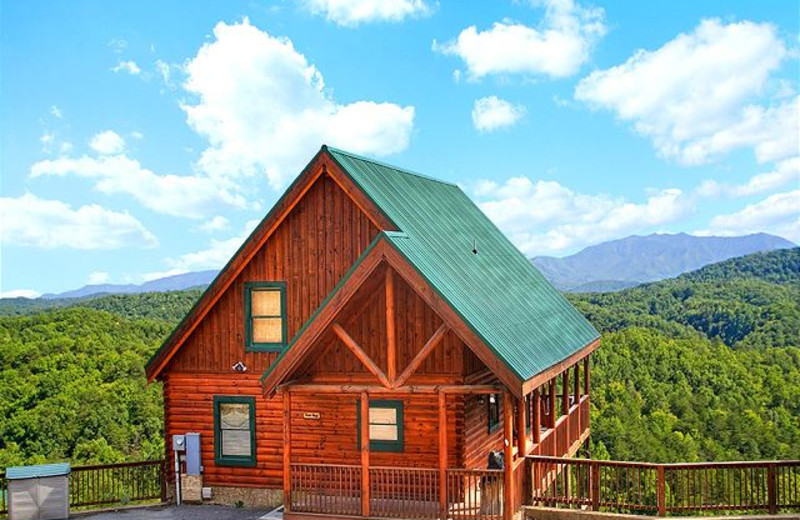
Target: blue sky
<point x="145" y="139"/>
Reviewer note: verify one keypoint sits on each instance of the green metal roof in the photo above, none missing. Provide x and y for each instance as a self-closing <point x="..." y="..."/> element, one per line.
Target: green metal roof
<point x="498" y="292"/>
<point x="39" y="471"/>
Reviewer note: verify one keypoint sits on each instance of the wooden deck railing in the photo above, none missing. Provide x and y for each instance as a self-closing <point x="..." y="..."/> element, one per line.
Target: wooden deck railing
<point x="109" y="484"/>
<point x="122" y="483"/>
<point x="556" y="442"/>
<point x="474" y="494"/>
<point x="396" y="492"/>
<point x="404" y="492"/>
<point x="637" y="487"/>
<point x="326" y="488"/>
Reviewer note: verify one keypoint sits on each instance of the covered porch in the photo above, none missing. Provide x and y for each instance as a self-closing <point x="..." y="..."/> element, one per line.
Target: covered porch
<point x="554" y="417"/>
<point x="417" y="487"/>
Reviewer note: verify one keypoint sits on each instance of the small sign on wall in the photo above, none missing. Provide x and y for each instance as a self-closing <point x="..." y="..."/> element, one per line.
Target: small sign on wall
<point x="311" y="416"/>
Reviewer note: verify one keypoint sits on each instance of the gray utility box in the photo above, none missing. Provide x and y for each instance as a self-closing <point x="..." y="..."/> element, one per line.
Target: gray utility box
<point x="38" y="492"/>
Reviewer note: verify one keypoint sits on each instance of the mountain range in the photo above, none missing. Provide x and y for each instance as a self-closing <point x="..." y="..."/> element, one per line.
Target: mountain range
<point x="169" y="283"/>
<point x="606" y="267"/>
<point x="630" y="261"/>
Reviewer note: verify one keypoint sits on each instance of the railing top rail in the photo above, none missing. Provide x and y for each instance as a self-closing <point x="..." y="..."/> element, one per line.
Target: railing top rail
<point x="670" y="465"/>
<point x="403" y="468"/>
<point x="118" y="465"/>
<point x="476" y="471"/>
<point x="315" y="465"/>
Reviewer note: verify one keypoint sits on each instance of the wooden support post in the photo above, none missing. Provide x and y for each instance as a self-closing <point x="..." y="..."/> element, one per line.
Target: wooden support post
<point x="661" y="490"/>
<point x="565" y="432"/>
<point x="442" y="455"/>
<point x="586" y="383"/>
<point x="364" y="404"/>
<point x="551" y="395"/>
<point x="287" y="451"/>
<point x="537" y="416"/>
<point x="508" y="459"/>
<point x="164" y="469"/>
<point x="577" y="395"/>
<point x="391" y="341"/>
<point x="772" y="495"/>
<point x="595" y="485"/>
<point x="522" y="436"/>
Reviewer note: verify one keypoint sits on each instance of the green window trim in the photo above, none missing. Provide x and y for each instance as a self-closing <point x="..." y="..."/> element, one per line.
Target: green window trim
<point x="234" y="460"/>
<point x="378" y="445"/>
<point x="493" y="412"/>
<point x="249" y="344"/>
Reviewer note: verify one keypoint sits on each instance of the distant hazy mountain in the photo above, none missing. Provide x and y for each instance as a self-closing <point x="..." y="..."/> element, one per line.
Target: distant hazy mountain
<point x="170" y="283"/>
<point x="619" y="264"/>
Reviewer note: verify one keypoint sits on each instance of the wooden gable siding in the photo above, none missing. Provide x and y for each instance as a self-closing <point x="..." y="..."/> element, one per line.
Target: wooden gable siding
<point x="314" y="246"/>
<point x="364" y="318"/>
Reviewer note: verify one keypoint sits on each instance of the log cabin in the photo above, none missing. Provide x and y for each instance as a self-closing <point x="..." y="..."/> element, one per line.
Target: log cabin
<point x="377" y="348"/>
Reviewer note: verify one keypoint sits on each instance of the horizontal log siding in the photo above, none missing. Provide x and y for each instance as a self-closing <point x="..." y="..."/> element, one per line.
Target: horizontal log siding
<point x="478" y="442"/>
<point x="332" y="439"/>
<point x="189" y="400"/>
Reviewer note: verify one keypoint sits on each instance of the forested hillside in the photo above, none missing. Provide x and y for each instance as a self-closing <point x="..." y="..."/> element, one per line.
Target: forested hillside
<point x="72" y="387"/>
<point x="702" y="367"/>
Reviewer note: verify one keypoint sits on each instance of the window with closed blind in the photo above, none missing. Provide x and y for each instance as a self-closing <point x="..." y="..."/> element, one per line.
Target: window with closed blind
<point x="234" y="430"/>
<point x="265" y="316"/>
<point x="385" y="425"/>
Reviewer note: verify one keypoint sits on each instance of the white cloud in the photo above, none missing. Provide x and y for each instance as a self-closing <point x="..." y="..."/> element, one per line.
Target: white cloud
<point x="785" y="172"/>
<point x="50" y="143"/>
<point x="56" y="112"/>
<point x="47" y="140"/>
<point x="778" y="214"/>
<point x="128" y="66"/>
<point x="557" y="48"/>
<point x="98" y="277"/>
<point x="20" y="293"/>
<point x="164" y="70"/>
<point x="117" y="45"/>
<point x="492" y="113"/>
<point x="214" y="256"/>
<point x="693" y="96"/>
<point x="218" y="223"/>
<point x="350" y="13"/>
<point x="264" y="109"/>
<point x="31" y="221"/>
<point x="190" y="196"/>
<point x="107" y="143"/>
<point x="564" y="219"/>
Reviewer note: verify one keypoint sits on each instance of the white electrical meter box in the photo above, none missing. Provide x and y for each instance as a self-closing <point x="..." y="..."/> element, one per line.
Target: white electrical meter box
<point x="178" y="443"/>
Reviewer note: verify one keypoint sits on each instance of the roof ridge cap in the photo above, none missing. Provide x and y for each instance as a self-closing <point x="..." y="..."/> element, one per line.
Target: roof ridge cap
<point x="391" y="166"/>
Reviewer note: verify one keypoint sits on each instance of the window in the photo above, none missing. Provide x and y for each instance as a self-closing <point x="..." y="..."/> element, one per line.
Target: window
<point x="234" y="431"/>
<point x="385" y="425"/>
<point x="265" y="314"/>
<point x="493" y="409"/>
